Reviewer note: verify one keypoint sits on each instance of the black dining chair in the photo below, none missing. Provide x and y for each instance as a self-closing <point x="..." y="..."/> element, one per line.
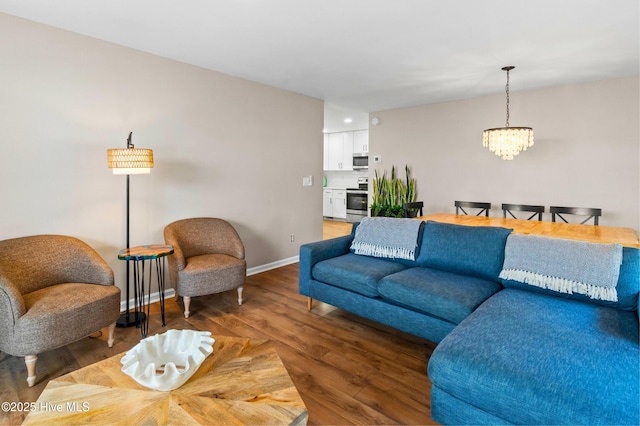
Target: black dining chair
<point x="413" y="209"/>
<point x="484" y="207"/>
<point x="510" y="208"/>
<point x="591" y="213"/>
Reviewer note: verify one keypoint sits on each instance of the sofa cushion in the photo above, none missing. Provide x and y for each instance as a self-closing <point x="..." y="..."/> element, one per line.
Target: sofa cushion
<point x="627" y="288"/>
<point x="530" y="358"/>
<point x="88" y="307"/>
<point x="356" y="273"/>
<point x="446" y="295"/>
<point x="468" y="250"/>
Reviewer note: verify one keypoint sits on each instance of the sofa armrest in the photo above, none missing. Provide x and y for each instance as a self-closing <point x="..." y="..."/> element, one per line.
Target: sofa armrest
<point x="11" y="302"/>
<point x="312" y="253"/>
<point x="177" y="260"/>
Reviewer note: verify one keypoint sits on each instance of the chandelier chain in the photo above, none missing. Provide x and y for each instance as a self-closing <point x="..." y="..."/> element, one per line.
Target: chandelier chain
<point x="507" y="90"/>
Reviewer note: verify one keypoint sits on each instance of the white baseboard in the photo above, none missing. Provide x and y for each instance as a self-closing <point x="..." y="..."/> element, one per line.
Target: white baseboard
<point x="170" y="292"/>
<point x="155" y="297"/>
<point x="272" y="265"/>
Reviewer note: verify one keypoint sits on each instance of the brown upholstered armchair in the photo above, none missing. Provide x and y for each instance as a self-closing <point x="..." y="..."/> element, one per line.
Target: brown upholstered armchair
<point x="54" y="290"/>
<point x="208" y="258"/>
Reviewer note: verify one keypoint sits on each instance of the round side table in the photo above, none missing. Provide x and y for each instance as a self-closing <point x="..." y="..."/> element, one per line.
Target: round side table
<point x="139" y="255"/>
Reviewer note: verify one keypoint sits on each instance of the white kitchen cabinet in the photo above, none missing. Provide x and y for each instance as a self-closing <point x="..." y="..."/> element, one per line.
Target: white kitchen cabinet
<point x="334" y="203"/>
<point x="361" y="141"/>
<point x="339" y="204"/>
<point x="339" y="151"/>
<point x="327" y="202"/>
<point x="334" y="151"/>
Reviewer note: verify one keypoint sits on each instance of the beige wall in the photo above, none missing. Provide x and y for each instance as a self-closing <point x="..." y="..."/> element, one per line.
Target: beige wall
<point x="223" y="147"/>
<point x="586" y="152"/>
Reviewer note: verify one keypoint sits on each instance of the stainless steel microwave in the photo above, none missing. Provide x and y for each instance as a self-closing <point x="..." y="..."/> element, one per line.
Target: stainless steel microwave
<point x="360" y="161"/>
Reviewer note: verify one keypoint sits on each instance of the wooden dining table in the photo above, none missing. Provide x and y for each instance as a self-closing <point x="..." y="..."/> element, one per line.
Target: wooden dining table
<point x="595" y="234"/>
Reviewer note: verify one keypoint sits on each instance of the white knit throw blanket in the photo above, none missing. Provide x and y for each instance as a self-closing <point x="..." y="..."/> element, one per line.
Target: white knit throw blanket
<point x="565" y="266"/>
<point x="387" y="237"/>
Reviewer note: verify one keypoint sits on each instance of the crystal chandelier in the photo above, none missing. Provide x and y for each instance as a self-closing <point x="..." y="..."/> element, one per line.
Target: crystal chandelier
<point x="507" y="142"/>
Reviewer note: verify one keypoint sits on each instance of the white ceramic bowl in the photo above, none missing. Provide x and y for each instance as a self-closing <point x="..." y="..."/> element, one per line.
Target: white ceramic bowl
<point x="166" y="361"/>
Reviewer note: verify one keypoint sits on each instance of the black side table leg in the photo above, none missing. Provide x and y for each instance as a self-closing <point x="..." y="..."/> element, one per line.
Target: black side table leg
<point x="138" y="278"/>
<point x="145" y="323"/>
<point x="136" y="292"/>
<point x="160" y="277"/>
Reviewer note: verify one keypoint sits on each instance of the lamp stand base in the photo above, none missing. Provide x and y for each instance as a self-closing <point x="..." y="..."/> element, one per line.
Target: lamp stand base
<point x="129" y="319"/>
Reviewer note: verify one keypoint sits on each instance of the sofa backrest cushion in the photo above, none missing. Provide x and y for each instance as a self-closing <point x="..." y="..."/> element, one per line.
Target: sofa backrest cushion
<point x="627" y="288"/>
<point x="469" y="250"/>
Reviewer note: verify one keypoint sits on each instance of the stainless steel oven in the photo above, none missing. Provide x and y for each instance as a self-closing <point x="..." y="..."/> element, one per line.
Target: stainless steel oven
<point x="358" y="201"/>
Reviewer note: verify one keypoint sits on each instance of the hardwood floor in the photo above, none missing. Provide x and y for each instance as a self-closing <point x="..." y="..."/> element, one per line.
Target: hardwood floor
<point x="348" y="370"/>
<point x="333" y="228"/>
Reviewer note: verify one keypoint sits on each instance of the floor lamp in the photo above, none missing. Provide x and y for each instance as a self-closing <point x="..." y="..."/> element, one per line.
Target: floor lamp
<point x="129" y="161"/>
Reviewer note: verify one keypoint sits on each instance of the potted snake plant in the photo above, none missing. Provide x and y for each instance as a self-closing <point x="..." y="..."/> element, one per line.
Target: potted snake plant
<point x="390" y="193"/>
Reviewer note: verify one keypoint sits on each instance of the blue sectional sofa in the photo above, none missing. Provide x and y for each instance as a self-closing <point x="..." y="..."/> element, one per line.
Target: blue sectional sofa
<point x="508" y="352"/>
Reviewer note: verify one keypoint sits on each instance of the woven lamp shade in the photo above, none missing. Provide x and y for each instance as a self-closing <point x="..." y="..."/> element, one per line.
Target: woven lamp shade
<point x="130" y="161"/>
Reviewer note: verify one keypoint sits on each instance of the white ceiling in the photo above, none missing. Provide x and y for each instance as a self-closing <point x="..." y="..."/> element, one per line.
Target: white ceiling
<point x="370" y="55"/>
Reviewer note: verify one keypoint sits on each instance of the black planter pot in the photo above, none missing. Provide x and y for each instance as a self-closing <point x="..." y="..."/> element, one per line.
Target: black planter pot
<point x="386" y="213"/>
<point x="412" y="213"/>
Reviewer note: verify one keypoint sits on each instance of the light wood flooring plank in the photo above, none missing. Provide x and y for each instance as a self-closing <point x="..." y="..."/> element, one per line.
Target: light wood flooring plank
<point x="334" y="228"/>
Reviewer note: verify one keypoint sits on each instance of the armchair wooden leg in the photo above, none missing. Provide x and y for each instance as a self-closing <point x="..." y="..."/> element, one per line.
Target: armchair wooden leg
<point x="187" y="304"/>
<point x="31" y="361"/>
<point x="112" y="329"/>
<point x="240" y="295"/>
<point x="309" y="303"/>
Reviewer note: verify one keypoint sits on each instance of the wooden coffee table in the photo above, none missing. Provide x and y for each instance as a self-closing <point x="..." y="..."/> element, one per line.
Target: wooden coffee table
<point x="242" y="382"/>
